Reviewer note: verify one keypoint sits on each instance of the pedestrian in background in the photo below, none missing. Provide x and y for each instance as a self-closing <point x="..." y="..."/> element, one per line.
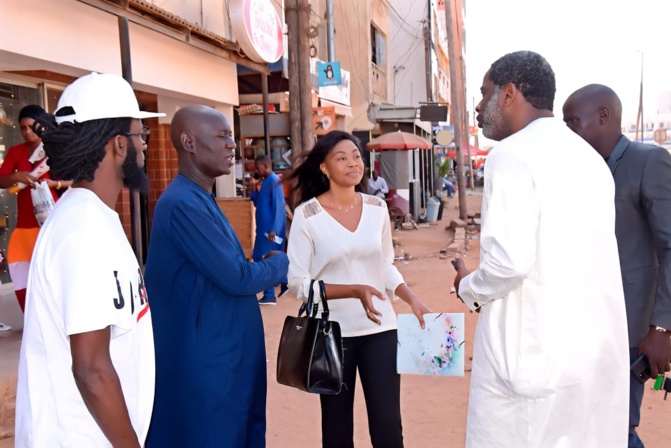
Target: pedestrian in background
<point x="343" y="237"/>
<point x="377" y="186"/>
<point x="19" y="161"/>
<point x="550" y="358"/>
<point x="448" y="186"/>
<point x="642" y="176"/>
<point x="271" y="219"/>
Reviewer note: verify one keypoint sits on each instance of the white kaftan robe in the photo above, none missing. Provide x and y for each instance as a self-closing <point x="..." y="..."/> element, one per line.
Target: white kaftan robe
<point x="550" y="356"/>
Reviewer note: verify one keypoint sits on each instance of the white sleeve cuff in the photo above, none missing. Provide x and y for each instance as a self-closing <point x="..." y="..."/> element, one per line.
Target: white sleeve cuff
<point x="466" y="294"/>
<point x="303" y="290"/>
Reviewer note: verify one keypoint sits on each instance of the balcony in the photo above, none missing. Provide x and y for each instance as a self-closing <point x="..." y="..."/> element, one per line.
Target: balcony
<point x="379" y="84"/>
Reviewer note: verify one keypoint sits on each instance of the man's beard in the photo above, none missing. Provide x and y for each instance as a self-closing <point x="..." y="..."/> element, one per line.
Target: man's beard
<point x="134" y="176"/>
<point x="494" y="125"/>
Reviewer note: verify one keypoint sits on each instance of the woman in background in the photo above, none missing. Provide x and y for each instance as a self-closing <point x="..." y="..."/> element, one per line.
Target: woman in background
<point x="19" y="161"/>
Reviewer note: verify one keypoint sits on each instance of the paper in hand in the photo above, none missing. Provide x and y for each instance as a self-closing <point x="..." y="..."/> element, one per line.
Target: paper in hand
<point x="437" y="350"/>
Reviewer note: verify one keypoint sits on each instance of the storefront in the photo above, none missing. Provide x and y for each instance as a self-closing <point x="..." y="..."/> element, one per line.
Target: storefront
<point x="45" y="45"/>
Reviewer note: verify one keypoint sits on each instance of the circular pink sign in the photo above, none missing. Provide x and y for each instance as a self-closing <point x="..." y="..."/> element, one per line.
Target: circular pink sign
<point x="261" y="38"/>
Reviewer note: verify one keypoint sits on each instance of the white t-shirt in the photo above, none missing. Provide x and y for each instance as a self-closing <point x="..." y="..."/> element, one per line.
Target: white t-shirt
<point x="377" y="184"/>
<point x="321" y="248"/>
<point x="84" y="277"/>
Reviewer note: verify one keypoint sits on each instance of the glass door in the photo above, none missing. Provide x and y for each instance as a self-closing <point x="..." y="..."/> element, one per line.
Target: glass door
<point x="12" y="99"/>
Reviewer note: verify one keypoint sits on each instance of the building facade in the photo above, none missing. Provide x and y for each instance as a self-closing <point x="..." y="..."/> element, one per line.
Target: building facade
<point x="362" y="30"/>
<point x="181" y="53"/>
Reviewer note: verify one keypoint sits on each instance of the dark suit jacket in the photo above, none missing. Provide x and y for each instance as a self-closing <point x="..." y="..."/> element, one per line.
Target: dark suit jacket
<point x="642" y="176"/>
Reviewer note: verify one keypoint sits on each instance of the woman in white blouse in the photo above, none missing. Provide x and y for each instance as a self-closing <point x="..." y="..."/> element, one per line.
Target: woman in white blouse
<point x="343" y="237"/>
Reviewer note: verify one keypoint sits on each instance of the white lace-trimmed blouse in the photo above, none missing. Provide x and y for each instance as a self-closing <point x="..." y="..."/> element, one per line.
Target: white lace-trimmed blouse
<point x="321" y="248"/>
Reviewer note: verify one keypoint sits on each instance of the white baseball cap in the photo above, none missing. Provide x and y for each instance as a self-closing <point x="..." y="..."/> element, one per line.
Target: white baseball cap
<point x="97" y="96"/>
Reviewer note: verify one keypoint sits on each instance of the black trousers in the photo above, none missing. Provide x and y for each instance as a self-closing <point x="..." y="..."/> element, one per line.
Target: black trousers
<point x="375" y="357"/>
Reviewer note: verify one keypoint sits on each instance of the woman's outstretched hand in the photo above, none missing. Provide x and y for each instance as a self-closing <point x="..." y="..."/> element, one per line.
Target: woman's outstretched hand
<point x="419" y="310"/>
<point x="365" y="294"/>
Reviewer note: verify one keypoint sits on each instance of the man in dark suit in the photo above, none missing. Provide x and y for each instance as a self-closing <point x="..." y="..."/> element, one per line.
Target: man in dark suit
<point x="642" y="176"/>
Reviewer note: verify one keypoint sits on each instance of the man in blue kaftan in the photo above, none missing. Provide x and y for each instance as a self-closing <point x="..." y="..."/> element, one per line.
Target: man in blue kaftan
<point x="208" y="332"/>
<point x="271" y="219"/>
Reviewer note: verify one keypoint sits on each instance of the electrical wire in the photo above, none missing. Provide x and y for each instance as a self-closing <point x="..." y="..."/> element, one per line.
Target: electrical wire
<point x="399" y="19"/>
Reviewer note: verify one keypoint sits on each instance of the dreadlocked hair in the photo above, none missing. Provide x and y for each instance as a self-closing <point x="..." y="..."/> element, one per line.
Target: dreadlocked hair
<point x="307" y="179"/>
<point x="76" y="149"/>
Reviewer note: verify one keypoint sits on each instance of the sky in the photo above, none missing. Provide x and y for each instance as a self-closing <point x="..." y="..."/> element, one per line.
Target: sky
<point x="585" y="41"/>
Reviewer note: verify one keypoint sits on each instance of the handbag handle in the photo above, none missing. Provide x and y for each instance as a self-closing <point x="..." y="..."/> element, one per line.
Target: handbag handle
<point x="308" y="306"/>
<point x="325" y="305"/>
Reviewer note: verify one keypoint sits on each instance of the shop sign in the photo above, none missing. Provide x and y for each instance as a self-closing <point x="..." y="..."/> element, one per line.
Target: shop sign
<point x="323" y="120"/>
<point x="338" y="94"/>
<point x="258" y="29"/>
<point x="328" y="74"/>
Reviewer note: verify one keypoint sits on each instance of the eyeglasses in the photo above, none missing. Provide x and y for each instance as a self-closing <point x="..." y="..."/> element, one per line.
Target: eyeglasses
<point x="144" y="135"/>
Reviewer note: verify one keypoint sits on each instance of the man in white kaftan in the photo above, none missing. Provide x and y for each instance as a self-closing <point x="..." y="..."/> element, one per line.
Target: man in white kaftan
<point x="550" y="357"/>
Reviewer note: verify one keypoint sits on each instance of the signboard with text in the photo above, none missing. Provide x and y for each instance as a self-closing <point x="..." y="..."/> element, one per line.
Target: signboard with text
<point x="258" y="29"/>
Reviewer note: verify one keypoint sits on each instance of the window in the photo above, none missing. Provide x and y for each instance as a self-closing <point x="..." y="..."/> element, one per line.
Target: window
<point x="53" y="95"/>
<point x="378" y="47"/>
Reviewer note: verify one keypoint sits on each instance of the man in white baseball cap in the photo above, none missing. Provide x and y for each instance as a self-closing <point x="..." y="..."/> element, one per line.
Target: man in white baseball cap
<point x="86" y="370"/>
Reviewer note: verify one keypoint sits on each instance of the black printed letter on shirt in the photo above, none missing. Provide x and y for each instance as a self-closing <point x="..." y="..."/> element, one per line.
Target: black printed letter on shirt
<point x="132" y="299"/>
<point x="118" y="303"/>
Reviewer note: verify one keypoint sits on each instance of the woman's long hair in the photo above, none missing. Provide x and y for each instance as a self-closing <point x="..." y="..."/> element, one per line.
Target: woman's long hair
<point x="308" y="178"/>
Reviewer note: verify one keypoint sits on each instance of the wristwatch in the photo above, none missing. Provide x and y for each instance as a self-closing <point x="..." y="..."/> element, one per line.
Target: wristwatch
<point x="661" y="329"/>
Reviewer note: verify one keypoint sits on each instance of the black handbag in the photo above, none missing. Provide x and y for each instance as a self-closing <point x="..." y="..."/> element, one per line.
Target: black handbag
<point x="310" y="355"/>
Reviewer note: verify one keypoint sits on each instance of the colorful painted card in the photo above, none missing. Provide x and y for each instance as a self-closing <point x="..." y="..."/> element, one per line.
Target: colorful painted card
<point x="437" y="350"/>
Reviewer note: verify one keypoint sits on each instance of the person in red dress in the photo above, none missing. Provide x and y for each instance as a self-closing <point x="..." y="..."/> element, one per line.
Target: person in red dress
<point x="19" y="161"/>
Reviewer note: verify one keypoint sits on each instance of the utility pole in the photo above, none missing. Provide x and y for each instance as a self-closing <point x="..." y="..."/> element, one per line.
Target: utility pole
<point x="639" y="115"/>
<point x="457" y="107"/>
<point x="428" y="46"/>
<point x="330" y="31"/>
<point x="304" y="70"/>
<point x="477" y="139"/>
<point x="467" y="134"/>
<point x="300" y="82"/>
<point x="462" y="91"/>
<point x="427" y="56"/>
<point x="291" y="13"/>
